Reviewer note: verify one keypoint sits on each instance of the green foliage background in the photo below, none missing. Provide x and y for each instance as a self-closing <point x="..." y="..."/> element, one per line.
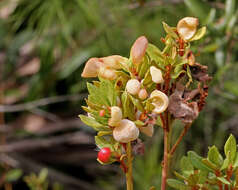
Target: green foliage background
<point x="67" y="33"/>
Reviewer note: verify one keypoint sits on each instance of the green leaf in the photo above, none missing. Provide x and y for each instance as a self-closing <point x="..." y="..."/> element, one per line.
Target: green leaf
<point x="108" y="91"/>
<point x="186" y="166"/>
<point x="147" y="79"/>
<point x="230" y="9"/>
<point x="93" y="123"/>
<point x="236" y="161"/>
<point x="223" y="180"/>
<point x="155" y="54"/>
<point x="199" y="34"/>
<point x="103" y="142"/>
<point x="95" y="95"/>
<point x="177" y="184"/>
<point x="43" y="175"/>
<point x="225" y="164"/>
<point x="169" y="30"/>
<point x="209" y="164"/>
<point x="127" y="106"/>
<point x="137" y="103"/>
<point x="214" y="156"/>
<point x="230" y="147"/>
<point x="13" y="175"/>
<point x="197" y="161"/>
<point x="198" y="8"/>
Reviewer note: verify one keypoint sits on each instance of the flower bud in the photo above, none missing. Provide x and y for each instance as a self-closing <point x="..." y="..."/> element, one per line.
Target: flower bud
<point x="126" y="131"/>
<point x="191" y="59"/>
<point x="118" y="101"/>
<point x="107" y="73"/>
<point x="160" y="101"/>
<point x="91" y="68"/>
<point x="187" y="27"/>
<point x="133" y="86"/>
<point x="116" y="116"/>
<point x="148" y="130"/>
<point x="138" y="49"/>
<point x="113" y="61"/>
<point x="143" y="94"/>
<point x="156" y="75"/>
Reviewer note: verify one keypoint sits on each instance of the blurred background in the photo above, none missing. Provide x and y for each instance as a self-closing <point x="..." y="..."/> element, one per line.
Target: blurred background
<point x="43" y="47"/>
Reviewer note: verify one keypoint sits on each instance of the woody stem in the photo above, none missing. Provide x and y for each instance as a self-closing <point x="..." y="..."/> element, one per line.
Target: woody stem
<point x="166" y="158"/>
<point x="129" y="179"/>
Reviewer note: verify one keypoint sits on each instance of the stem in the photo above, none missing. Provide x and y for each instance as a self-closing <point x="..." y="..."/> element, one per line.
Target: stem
<point x="165" y="161"/>
<point x="129" y="179"/>
<point x="185" y="130"/>
<point x="166" y="152"/>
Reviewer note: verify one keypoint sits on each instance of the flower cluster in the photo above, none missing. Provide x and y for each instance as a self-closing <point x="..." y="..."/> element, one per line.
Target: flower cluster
<point x="134" y="94"/>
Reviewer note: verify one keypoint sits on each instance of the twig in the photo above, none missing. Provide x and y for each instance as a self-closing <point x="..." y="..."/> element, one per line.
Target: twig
<point x="32" y="144"/>
<point x="45" y="114"/>
<point x="48" y="128"/>
<point x="41" y="102"/>
<point x="185" y="129"/>
<point x="153" y="4"/>
<point x="28" y="165"/>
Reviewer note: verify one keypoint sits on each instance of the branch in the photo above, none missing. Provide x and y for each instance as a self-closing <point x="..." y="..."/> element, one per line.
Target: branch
<point x="153" y="4"/>
<point x="29" y="166"/>
<point x="32" y="144"/>
<point x="41" y="102"/>
<point x="185" y="130"/>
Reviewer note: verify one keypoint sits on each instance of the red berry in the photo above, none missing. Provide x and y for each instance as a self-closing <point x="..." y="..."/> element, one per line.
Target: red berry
<point x="102" y="113"/>
<point x="104" y="154"/>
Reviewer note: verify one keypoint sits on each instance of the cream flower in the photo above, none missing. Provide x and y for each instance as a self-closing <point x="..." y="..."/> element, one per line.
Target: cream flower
<point x="187" y="27"/>
<point x="148" y="130"/>
<point x="91" y="68"/>
<point x="133" y="86"/>
<point x="113" y="61"/>
<point x="116" y="116"/>
<point x="104" y="67"/>
<point x="156" y="75"/>
<point x="107" y="73"/>
<point x="126" y="131"/>
<point x="160" y="101"/>
<point x="143" y="94"/>
<point x="138" y="49"/>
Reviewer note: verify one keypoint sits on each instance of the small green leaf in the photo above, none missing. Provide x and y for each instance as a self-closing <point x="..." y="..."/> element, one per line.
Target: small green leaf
<point x="225" y="164"/>
<point x="93" y="123"/>
<point x="199" y="34"/>
<point x="230" y="147"/>
<point x="223" y="180"/>
<point x="95" y="95"/>
<point x="177" y="184"/>
<point x="186" y="166"/>
<point x="169" y="30"/>
<point x="127" y="106"/>
<point x="103" y="133"/>
<point x="103" y="142"/>
<point x="13" y="175"/>
<point x="43" y="175"/>
<point x="155" y="54"/>
<point x="214" y="156"/>
<point x="108" y="91"/>
<point x="137" y="103"/>
<point x="209" y="164"/>
<point x="197" y="161"/>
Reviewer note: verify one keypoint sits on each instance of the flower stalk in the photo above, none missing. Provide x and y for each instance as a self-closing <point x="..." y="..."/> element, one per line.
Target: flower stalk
<point x="129" y="178"/>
